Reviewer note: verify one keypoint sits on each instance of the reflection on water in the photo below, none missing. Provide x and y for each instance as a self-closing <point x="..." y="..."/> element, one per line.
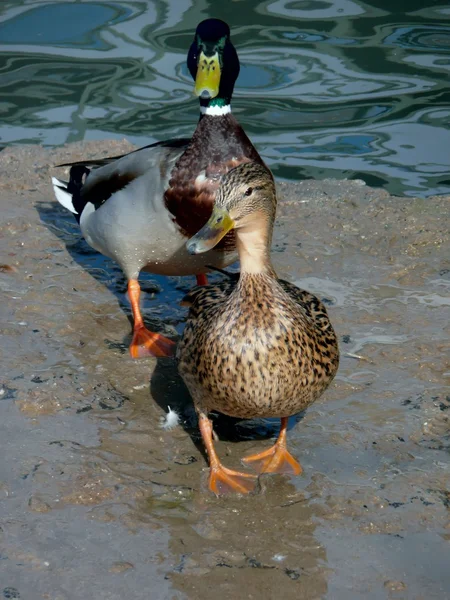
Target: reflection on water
<point x="336" y="88"/>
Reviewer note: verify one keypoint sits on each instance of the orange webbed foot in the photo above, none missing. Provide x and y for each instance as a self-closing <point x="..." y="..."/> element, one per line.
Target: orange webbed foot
<point x="221" y="479"/>
<point x="225" y="481"/>
<point x="146" y="343"/>
<point x="276" y="459"/>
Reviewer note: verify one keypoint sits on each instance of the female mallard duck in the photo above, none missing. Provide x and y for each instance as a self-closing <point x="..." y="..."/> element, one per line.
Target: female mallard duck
<point x="141" y="208"/>
<point x="258" y="347"/>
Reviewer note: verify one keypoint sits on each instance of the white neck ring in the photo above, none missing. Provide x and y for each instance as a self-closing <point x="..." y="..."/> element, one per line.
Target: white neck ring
<point x="215" y="111"/>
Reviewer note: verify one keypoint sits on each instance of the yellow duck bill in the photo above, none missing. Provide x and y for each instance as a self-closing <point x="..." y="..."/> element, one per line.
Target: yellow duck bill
<point x="207" y="80"/>
<point x="219" y="224"/>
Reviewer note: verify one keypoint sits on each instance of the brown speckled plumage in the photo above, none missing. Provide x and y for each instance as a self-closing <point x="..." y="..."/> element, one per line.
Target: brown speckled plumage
<point x="257" y="346"/>
<point x="260" y="347"/>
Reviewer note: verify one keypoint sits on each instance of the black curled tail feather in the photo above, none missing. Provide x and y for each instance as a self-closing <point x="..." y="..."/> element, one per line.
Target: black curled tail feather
<point x="78" y="174"/>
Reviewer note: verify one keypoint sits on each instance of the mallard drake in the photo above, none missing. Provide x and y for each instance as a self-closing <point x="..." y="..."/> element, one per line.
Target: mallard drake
<point x="141" y="208"/>
<point x="257" y="346"/>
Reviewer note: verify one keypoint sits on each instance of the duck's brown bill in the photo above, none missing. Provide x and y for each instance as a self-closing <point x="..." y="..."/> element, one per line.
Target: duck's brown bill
<point x="207" y="80"/>
<point x="219" y="224"/>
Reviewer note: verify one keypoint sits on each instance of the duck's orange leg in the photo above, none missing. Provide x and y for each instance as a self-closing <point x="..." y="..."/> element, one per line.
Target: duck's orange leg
<point x="145" y="342"/>
<point x="202" y="279"/>
<point x="276" y="459"/>
<point x="221" y="479"/>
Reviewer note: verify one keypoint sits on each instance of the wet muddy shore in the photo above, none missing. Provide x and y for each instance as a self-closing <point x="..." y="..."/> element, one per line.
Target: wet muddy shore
<point x="97" y="501"/>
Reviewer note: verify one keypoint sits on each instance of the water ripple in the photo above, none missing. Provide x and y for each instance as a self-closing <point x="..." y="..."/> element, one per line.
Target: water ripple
<point x="327" y="88"/>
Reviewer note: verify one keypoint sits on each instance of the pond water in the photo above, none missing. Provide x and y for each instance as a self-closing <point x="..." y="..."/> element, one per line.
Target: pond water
<point x="328" y="88"/>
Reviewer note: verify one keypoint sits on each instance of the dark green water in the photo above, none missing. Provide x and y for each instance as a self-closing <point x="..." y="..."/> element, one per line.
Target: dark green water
<point x="328" y="88"/>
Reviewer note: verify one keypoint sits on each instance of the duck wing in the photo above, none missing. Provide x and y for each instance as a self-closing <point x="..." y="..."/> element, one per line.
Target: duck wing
<point x="101" y="162"/>
<point x="94" y="181"/>
<point x="311" y="306"/>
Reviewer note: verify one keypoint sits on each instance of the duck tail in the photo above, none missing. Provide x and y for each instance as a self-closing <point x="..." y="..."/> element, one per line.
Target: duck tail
<point x="62" y="194"/>
<point x="68" y="192"/>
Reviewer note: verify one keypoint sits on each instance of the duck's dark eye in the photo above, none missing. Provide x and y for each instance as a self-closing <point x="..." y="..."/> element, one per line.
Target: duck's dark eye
<point x="248" y="191"/>
<point x="219" y="219"/>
